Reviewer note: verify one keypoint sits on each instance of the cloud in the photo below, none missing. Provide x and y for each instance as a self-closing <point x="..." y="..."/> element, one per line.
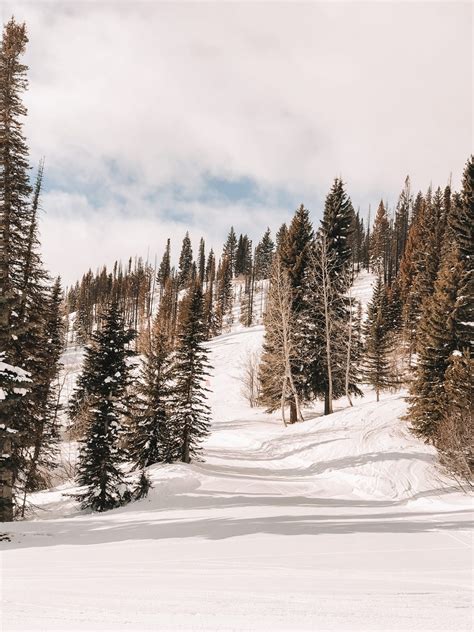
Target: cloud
<point x="143" y="108"/>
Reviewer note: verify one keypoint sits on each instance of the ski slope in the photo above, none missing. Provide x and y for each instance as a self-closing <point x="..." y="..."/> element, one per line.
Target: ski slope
<point x="339" y="523"/>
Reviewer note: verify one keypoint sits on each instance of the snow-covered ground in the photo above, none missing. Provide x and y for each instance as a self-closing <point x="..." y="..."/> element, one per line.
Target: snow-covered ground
<point x="342" y="522"/>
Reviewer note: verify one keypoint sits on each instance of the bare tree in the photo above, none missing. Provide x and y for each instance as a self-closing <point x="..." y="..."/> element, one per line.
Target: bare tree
<point x="279" y="323"/>
<point x="250" y="379"/>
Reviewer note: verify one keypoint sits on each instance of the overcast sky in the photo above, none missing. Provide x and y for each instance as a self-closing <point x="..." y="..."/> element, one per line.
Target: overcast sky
<point x="156" y="117"/>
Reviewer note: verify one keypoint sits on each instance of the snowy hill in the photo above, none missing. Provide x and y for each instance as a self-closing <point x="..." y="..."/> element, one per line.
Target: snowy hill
<point x="342" y="522"/>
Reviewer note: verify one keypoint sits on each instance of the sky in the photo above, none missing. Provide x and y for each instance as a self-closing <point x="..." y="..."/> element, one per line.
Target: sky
<point x="156" y="118"/>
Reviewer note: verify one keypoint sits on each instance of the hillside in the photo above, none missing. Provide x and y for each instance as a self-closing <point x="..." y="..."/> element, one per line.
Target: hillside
<point x="337" y="523"/>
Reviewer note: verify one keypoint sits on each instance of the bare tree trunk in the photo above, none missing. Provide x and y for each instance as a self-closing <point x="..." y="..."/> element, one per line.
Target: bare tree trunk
<point x="349" y="349"/>
<point x="283" y="401"/>
<point x="327" y="324"/>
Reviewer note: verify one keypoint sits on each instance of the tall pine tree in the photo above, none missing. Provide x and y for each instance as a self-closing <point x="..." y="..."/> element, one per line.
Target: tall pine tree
<point x="191" y="415"/>
<point x="102" y="396"/>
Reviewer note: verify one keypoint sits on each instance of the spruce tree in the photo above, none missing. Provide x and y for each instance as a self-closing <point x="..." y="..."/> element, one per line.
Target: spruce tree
<point x="230" y="250"/>
<point x="378" y="341"/>
<point x="224" y="297"/>
<point x="15" y="191"/>
<point x="461" y="221"/>
<point x="380" y="242"/>
<point x="191" y="415"/>
<point x="337" y="226"/>
<point x="102" y="396"/>
<point x="401" y="225"/>
<point x="202" y="261"/>
<point x="164" y="270"/>
<point x="151" y="439"/>
<point x="437" y="340"/>
<point x="455" y="439"/>
<point x="324" y="329"/>
<point x="185" y="263"/>
<point x="264" y="256"/>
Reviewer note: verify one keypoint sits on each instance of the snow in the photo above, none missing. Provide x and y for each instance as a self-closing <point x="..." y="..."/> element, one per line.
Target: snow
<point x="363" y="288"/>
<point x="340" y="523"/>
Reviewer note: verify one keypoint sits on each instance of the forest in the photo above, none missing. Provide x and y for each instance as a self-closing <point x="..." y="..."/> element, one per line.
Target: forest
<point x="141" y="398"/>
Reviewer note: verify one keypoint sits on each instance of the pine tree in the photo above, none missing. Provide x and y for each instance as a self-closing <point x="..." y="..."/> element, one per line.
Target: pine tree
<point x="191" y="415"/>
<point x="185" y="263"/>
<point x="264" y="256"/>
<point x="230" y="250"/>
<point x="152" y="440"/>
<point x="461" y="221"/>
<point x="437" y="340"/>
<point x="401" y="225"/>
<point x="380" y="242"/>
<point x="281" y="237"/>
<point x="276" y="374"/>
<point x="324" y="329"/>
<point x="378" y="342"/>
<point x="164" y="270"/>
<point x="15" y="191"/>
<point x="224" y="296"/>
<point x="102" y="397"/>
<point x="295" y="252"/>
<point x="337" y="226"/>
<point x="202" y="261"/>
<point x="42" y="447"/>
<point x="455" y="439"/>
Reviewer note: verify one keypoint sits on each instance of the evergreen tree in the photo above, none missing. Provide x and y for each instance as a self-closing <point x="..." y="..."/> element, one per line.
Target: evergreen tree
<point x="295" y="252"/>
<point x="15" y="191"/>
<point x="264" y="256"/>
<point x="224" y="296"/>
<point x="461" y="222"/>
<point x="185" y="263"/>
<point x="191" y="415"/>
<point x="281" y="237"/>
<point x="151" y="439"/>
<point x="42" y="450"/>
<point x="401" y="225"/>
<point x="164" y="270"/>
<point x="337" y="224"/>
<point x="243" y="259"/>
<point x="230" y="250"/>
<point x="378" y="342"/>
<point x="437" y="340"/>
<point x="455" y="439"/>
<point x="380" y="242"/>
<point x="102" y="397"/>
<point x="211" y="267"/>
<point x="324" y="328"/>
<point x="202" y="261"/>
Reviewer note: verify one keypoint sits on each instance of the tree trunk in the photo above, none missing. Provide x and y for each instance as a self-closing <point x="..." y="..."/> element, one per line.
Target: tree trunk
<point x="327" y="402"/>
<point x="293" y="412"/>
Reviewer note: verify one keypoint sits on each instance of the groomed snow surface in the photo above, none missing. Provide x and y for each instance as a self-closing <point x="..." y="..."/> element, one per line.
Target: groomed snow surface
<point x="342" y="522"/>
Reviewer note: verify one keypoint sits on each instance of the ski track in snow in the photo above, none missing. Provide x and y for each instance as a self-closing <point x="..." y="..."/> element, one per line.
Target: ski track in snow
<point x="343" y="522"/>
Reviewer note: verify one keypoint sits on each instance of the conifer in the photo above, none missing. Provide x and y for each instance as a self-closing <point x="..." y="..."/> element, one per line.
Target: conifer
<point x="185" y="263"/>
<point x="202" y="261"/>
<point x="264" y="256"/>
<point x="461" y="222"/>
<point x="455" y="439"/>
<point x="378" y="341"/>
<point x="102" y="396"/>
<point x="190" y="418"/>
<point x="164" y="270"/>
<point x="437" y="340"/>
<point x="230" y="250"/>
<point x="152" y="440"/>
